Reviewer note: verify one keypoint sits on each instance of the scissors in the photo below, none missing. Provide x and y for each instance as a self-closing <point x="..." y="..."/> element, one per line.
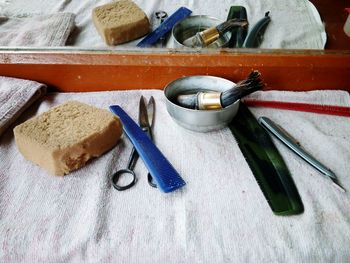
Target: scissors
<point x="161" y="16"/>
<point x="146" y="117"/>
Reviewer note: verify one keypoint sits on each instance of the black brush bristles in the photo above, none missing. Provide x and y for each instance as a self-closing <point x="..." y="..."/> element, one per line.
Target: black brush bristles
<point x="243" y="88"/>
<point x="232" y="23"/>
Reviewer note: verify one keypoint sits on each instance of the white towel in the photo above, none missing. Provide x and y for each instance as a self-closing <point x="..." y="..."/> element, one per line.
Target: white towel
<point x="221" y="214"/>
<point x="294" y="23"/>
<point x="16" y="95"/>
<point x="36" y="30"/>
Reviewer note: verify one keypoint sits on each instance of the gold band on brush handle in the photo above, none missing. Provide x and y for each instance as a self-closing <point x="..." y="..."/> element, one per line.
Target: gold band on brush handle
<point x="209" y="101"/>
<point x="209" y="36"/>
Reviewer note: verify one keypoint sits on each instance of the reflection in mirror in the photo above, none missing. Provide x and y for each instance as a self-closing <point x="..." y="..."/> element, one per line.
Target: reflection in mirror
<point x="121" y="25"/>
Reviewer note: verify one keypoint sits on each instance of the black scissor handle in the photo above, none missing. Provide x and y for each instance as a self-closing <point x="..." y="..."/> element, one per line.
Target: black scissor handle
<point x="116" y="176"/>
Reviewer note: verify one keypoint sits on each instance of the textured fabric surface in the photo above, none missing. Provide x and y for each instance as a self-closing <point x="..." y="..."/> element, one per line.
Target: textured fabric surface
<point x="16" y="95"/>
<point x="295" y="23"/>
<point x="36" y="30"/>
<point x="221" y="214"/>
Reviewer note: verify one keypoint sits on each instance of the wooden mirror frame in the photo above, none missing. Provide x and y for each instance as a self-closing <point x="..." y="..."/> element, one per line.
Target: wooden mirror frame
<point x="100" y="70"/>
<point x="96" y="70"/>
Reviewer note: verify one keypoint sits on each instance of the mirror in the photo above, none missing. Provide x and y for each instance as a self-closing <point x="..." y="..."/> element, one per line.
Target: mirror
<point x="295" y="25"/>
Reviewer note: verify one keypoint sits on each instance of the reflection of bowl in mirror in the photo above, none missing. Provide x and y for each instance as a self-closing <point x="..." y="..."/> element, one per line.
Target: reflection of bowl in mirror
<point x="199" y="120"/>
<point x="191" y="25"/>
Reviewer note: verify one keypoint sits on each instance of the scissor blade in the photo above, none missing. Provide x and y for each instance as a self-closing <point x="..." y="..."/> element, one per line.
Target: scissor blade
<point x="150" y="111"/>
<point x="143" y="116"/>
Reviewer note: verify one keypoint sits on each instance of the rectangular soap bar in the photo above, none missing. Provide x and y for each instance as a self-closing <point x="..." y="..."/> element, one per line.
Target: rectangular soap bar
<point x="121" y="21"/>
<point x="65" y="137"/>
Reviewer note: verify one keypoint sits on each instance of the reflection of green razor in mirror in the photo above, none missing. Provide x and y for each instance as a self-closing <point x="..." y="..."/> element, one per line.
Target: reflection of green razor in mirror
<point x="238" y="34"/>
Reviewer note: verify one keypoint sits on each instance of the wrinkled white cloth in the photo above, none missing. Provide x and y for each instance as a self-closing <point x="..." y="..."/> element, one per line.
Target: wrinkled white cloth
<point x="221" y="214"/>
<point x="36" y="30"/>
<point x="16" y="95"/>
<point x="295" y="23"/>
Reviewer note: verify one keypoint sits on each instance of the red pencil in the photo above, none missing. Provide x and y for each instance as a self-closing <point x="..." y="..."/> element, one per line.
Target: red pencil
<point x="296" y="106"/>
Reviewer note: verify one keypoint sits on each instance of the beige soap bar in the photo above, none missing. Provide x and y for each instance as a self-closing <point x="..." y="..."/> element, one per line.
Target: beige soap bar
<point x="120" y="22"/>
<point x="67" y="136"/>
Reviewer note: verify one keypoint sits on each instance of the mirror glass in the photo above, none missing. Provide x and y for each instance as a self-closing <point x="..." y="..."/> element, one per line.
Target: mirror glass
<point x="69" y="24"/>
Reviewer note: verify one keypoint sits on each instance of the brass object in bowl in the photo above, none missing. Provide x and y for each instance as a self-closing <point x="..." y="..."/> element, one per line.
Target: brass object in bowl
<point x="199" y="120"/>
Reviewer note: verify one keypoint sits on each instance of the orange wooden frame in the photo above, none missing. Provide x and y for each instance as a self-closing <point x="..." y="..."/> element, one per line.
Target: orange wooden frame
<point x="69" y="70"/>
<point x="73" y="71"/>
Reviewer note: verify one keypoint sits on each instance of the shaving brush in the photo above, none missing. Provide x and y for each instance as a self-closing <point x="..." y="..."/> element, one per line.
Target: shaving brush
<point x="210" y="35"/>
<point x="219" y="100"/>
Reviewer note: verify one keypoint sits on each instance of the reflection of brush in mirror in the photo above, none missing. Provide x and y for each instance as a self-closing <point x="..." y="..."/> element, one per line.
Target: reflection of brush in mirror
<point x="219" y="100"/>
<point x="208" y="36"/>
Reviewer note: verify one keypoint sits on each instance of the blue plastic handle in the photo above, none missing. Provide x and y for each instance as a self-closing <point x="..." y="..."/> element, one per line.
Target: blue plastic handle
<point x="165" y="175"/>
<point x="165" y="27"/>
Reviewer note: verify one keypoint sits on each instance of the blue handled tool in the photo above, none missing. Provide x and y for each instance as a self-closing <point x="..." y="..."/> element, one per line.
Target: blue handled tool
<point x="146" y="118"/>
<point x="164" y="27"/>
<point x="165" y="175"/>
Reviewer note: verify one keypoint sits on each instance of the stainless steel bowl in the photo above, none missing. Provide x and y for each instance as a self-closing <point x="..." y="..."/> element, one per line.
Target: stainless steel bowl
<point x="199" y="120"/>
<point x="194" y="24"/>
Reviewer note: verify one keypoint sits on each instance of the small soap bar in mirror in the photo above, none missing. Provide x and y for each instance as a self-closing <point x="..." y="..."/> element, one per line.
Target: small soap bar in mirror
<point x="121" y="21"/>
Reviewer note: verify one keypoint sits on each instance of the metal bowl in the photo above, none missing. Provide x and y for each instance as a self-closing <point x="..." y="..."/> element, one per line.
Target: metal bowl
<point x="193" y="24"/>
<point x="199" y="120"/>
